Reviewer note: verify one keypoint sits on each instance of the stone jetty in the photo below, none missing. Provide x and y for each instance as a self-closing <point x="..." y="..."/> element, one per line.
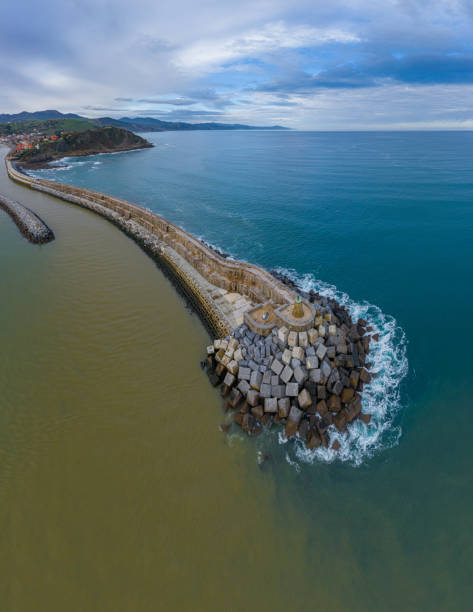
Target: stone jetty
<point x="309" y="381"/>
<point x="30" y="225"/>
<point x="280" y="356"/>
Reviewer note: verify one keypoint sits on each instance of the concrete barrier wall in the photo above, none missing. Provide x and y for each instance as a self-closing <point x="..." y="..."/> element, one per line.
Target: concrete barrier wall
<point x="241" y="277"/>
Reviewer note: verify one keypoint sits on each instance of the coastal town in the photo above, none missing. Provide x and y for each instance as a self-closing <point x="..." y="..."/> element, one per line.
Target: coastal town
<point x="27" y="141"/>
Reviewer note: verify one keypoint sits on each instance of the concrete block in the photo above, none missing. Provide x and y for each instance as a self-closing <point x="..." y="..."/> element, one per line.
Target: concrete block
<point x="286" y="356"/>
<point x="321" y="351"/>
<point x="277" y="367"/>
<point x="244" y="373"/>
<point x="331" y="352"/>
<point x="328" y="317"/>
<point x="232" y="344"/>
<point x="265" y="390"/>
<point x="312" y="334"/>
<point x="304" y="399"/>
<point x="332" y="330"/>
<point x="229" y="379"/>
<point x="243" y="387"/>
<point x="292" y="389"/>
<point x="303" y="338"/>
<point x="233" y="367"/>
<point x="274" y="380"/>
<point x="238" y="355"/>
<point x="315" y="375"/>
<point x="267" y="377"/>
<point x="277" y="391"/>
<point x="256" y="379"/>
<point x="321" y="331"/>
<point x="286" y="374"/>
<point x="252" y="397"/>
<point x="292" y="339"/>
<point x="224" y="344"/>
<point x="312" y="362"/>
<point x="310" y="350"/>
<point x="326" y="369"/>
<point x="225" y="360"/>
<point x="300" y="374"/>
<point x="284" y="406"/>
<point x="252" y="365"/>
<point x="295" y="363"/>
<point x="271" y="405"/>
<point x="211" y="350"/>
<point x="298" y="353"/>
<point x="295" y="415"/>
<point x="283" y="333"/>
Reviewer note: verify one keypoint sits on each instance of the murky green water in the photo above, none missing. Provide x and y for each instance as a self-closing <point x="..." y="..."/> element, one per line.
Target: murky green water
<point x="118" y="492"/>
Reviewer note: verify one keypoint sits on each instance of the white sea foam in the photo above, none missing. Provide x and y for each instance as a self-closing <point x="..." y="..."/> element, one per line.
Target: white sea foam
<point x="381" y="398"/>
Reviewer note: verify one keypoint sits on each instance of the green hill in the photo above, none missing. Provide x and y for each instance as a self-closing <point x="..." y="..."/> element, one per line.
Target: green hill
<point x="88" y="142"/>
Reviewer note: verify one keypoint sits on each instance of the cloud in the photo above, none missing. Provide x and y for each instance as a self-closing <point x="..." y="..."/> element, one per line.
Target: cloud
<point x="303" y="63"/>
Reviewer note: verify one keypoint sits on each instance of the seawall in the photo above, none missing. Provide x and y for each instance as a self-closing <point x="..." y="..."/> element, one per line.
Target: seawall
<point x="220" y="290"/>
<point x="33" y="228"/>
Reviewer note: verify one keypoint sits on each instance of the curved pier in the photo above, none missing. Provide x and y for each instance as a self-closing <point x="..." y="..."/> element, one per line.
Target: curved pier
<point x="30" y="225"/>
<point x="220" y="290"/>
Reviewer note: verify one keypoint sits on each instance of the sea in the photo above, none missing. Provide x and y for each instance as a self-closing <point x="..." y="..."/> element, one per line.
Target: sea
<point x="117" y="487"/>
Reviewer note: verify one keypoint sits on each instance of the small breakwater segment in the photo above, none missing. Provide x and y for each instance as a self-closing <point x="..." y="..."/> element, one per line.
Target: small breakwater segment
<point x="30" y="225"/>
<point x="292" y="360"/>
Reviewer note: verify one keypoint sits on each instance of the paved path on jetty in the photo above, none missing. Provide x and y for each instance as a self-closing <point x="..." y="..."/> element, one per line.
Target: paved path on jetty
<point x="30" y="225"/>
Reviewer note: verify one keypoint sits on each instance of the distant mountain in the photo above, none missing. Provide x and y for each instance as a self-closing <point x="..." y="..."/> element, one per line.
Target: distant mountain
<point x="46" y="114"/>
<point x="135" y="124"/>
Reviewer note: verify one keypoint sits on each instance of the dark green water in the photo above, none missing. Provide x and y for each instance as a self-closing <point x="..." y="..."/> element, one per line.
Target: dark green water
<point x="118" y="492"/>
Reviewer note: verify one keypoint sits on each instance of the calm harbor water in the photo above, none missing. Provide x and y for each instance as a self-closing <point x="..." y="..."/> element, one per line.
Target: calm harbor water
<point x="118" y="492"/>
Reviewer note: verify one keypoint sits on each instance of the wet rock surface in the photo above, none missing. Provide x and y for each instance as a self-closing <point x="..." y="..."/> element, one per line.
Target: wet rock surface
<point x="33" y="228"/>
<point x="310" y="384"/>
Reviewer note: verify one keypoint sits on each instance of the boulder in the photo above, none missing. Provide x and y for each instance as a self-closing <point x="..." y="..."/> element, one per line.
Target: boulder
<point x="292" y="389"/>
<point x="365" y="376"/>
<point x="321" y="330"/>
<point x="292" y="339"/>
<point x="322" y="408"/>
<point x="321" y="392"/>
<point x="238" y="418"/>
<point x="340" y="421"/>
<point x="354" y="378"/>
<point x="248" y="422"/>
<point x="298" y="353"/>
<point x="332" y="330"/>
<point x="366" y="418"/>
<point x="315" y="375"/>
<point x="304" y="428"/>
<point x="347" y="395"/>
<point x="291" y="429"/>
<point x="257" y="411"/>
<point x="313" y="440"/>
<point x="271" y="405"/>
<point x="304" y="399"/>
<point x="334" y="403"/>
<point x="336" y="445"/>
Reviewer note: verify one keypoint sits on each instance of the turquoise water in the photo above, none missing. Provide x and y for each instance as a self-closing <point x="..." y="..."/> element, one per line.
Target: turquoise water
<point x="384" y="221"/>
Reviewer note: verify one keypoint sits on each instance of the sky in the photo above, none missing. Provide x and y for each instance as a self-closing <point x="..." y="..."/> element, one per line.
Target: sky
<point x="315" y="65"/>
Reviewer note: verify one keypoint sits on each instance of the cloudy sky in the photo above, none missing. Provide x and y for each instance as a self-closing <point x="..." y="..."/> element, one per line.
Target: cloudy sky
<point x="306" y="64"/>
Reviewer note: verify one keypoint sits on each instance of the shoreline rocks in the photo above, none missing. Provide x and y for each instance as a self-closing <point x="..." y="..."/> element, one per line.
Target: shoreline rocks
<point x="310" y="382"/>
<point x="33" y="228"/>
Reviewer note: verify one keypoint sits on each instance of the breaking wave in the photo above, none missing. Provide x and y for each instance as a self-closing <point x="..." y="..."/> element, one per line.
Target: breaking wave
<point x="381" y="398"/>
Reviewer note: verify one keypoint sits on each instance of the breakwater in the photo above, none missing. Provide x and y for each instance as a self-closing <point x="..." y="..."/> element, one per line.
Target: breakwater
<point x="30" y="225"/>
<point x="220" y="290"/>
<point x="279" y="355"/>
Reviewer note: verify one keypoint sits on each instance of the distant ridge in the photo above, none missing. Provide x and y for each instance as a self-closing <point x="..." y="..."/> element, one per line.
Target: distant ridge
<point x="135" y="124"/>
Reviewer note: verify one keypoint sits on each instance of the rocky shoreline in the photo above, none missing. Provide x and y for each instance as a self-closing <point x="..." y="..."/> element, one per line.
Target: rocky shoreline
<point x="33" y="228"/>
<point x="308" y="382"/>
